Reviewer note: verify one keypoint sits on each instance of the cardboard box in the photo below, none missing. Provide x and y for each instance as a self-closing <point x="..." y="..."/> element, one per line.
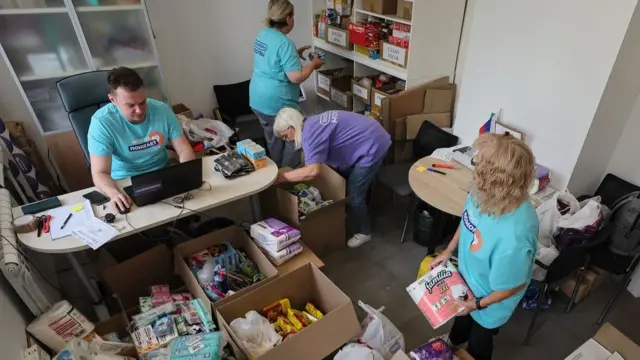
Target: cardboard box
<point x="384" y="7"/>
<point x="182" y="109"/>
<point x="341" y="94"/>
<point x="405" y="9"/>
<point x="116" y="324"/>
<point x="591" y="280"/>
<point x="306" y="284"/>
<point x="407" y="128"/>
<point x="361" y="92"/>
<point x="339" y="37"/>
<point x="606" y="341"/>
<point x="326" y="80"/>
<point x="396" y="55"/>
<point x="234" y="235"/>
<point x="439" y="100"/>
<point x="323" y="230"/>
<point x="379" y="94"/>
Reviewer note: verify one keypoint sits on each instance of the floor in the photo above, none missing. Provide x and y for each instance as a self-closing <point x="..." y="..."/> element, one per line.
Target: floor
<point x="379" y="271"/>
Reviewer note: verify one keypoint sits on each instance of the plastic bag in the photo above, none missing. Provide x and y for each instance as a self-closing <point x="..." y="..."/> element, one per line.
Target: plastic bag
<point x="255" y="333"/>
<point x="549" y="216"/>
<point x="380" y="334"/>
<point x="357" y="352"/>
<point x="215" y="132"/>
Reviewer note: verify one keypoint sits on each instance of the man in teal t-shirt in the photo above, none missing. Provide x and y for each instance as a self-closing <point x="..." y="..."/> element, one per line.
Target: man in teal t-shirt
<point x="276" y="79"/>
<point x="129" y="136"/>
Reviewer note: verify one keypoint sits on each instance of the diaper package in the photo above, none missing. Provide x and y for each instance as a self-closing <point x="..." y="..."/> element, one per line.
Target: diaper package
<point x="284" y="255"/>
<point x="273" y="235"/>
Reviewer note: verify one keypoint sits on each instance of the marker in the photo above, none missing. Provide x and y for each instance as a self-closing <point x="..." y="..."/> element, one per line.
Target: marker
<point x="443" y="166"/>
<point x="66" y="221"/>
<point x="436" y="171"/>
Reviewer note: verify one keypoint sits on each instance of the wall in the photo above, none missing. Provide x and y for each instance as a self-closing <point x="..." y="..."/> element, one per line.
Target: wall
<point x="614" y="112"/>
<point x="202" y="43"/>
<point x="625" y="161"/>
<point x="546" y="64"/>
<point x="14" y="318"/>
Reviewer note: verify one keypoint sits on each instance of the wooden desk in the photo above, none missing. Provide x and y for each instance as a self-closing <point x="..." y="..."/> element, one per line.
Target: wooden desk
<point x="142" y="218"/>
<point x="305" y="257"/>
<point x="444" y="192"/>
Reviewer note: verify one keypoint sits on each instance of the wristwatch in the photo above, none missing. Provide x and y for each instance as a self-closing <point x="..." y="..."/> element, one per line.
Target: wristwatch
<point x="478" y="305"/>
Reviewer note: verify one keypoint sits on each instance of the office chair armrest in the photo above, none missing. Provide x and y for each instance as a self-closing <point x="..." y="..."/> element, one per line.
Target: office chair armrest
<point x="539" y="263"/>
<point x="230" y="121"/>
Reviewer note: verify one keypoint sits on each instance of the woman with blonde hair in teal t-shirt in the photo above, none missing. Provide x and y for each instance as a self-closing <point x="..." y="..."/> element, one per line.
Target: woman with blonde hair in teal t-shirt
<point x="277" y="75"/>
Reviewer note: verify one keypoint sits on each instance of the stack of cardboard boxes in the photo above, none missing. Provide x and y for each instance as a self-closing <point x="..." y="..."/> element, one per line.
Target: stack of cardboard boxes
<point x="591" y="280"/>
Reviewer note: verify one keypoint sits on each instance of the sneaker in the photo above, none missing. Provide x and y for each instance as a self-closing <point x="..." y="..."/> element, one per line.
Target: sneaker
<point x="358" y="240"/>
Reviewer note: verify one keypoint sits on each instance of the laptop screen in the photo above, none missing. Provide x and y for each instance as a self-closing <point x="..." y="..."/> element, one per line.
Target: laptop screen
<point x="166" y="182"/>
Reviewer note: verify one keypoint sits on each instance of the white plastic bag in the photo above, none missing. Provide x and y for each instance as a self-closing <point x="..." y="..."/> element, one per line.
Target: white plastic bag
<point x="549" y="216"/>
<point x="214" y="132"/>
<point x="255" y="333"/>
<point x="357" y="352"/>
<point x="380" y="334"/>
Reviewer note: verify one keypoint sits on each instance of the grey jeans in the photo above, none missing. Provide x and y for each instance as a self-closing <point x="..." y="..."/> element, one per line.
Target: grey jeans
<point x="283" y="153"/>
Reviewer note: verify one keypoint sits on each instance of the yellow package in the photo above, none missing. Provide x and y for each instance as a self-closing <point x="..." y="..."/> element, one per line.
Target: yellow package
<point x="425" y="265"/>
<point x="280" y="307"/>
<point x="309" y="317"/>
<point x="294" y="320"/>
<point x="284" y="324"/>
<point x="313" y="311"/>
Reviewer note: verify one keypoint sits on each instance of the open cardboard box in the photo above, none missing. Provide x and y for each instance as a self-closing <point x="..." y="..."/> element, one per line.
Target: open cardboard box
<point x="117" y="324"/>
<point x="323" y="230"/>
<point x="461" y="354"/>
<point x="306" y="284"/>
<point x="610" y="339"/>
<point x="233" y="235"/>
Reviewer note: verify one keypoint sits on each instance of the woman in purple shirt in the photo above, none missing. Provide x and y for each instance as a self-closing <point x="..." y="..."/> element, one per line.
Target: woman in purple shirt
<point x="353" y="144"/>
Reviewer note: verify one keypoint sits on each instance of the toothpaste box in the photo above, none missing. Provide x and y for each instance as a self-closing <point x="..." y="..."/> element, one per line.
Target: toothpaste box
<point x="257" y="155"/>
<point x="437" y="291"/>
<point x="241" y="146"/>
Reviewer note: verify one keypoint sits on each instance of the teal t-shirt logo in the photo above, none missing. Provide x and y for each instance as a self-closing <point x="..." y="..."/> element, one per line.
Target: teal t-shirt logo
<point x="154" y="138"/>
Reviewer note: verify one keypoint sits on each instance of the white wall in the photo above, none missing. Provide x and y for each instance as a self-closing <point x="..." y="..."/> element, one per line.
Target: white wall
<point x="618" y="102"/>
<point x="625" y="161"/>
<point x="14" y="317"/>
<point x="546" y="63"/>
<point x="202" y="43"/>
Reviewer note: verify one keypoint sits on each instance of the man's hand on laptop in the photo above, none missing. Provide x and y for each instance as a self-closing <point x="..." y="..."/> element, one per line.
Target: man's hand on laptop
<point x="119" y="200"/>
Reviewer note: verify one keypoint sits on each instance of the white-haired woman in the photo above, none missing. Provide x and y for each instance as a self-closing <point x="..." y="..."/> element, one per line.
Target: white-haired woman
<point x="352" y="143"/>
<point x="277" y="73"/>
<point x="496" y="240"/>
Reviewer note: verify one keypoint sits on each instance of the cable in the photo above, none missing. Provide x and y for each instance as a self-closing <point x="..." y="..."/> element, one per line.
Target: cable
<point x="33" y="264"/>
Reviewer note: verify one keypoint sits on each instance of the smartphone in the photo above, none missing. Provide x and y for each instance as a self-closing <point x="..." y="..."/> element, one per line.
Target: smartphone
<point x="41" y="206"/>
<point x="96" y="198"/>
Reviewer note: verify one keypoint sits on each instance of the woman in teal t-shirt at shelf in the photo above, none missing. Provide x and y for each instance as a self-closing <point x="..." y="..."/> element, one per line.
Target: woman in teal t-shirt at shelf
<point x="277" y="73"/>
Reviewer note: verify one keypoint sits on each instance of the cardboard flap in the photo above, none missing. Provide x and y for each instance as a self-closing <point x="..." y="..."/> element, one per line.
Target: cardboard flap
<point x="439" y="100"/>
<point x="414" y="122"/>
<point x="332" y="185"/>
<point x="613" y="340"/>
<point x="131" y="279"/>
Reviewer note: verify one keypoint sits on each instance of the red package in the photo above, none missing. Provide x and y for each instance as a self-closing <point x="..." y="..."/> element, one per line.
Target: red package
<point x="402" y="42"/>
<point x="160" y="290"/>
<point x="401" y="27"/>
<point x="357" y="34"/>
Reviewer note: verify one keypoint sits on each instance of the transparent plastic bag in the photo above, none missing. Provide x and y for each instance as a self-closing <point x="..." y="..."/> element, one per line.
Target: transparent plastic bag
<point x="357" y="352"/>
<point x="255" y="333"/>
<point x="380" y="334"/>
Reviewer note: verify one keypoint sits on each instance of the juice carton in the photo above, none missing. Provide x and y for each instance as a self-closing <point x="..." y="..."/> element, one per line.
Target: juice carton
<point x="436" y="292"/>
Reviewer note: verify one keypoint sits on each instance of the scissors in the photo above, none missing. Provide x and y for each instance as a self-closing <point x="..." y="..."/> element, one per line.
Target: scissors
<point x="45" y="224"/>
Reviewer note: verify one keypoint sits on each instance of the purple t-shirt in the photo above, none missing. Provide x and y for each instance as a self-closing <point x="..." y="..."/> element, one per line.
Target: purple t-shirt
<point x="343" y="139"/>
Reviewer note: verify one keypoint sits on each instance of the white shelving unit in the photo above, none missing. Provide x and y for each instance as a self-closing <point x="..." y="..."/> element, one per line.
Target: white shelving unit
<point x="53" y="39"/>
<point x="433" y="48"/>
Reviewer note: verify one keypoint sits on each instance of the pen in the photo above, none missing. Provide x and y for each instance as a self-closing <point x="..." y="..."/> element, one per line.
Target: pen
<point x="66" y="221"/>
<point x="436" y="171"/>
<point x="443" y="166"/>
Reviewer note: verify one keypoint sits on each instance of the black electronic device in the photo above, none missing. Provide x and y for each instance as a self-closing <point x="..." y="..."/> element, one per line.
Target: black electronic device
<point x="232" y="165"/>
<point x="40" y="206"/>
<point x="109" y="218"/>
<point x="158" y="185"/>
<point x="96" y="198"/>
<point x="122" y="211"/>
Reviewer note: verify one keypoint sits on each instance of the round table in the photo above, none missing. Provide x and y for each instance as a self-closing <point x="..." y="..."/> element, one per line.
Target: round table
<point x="448" y="192"/>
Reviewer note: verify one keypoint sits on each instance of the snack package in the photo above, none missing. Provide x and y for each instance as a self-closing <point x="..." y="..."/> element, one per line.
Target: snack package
<point x="313" y="311"/>
<point x="433" y="350"/>
<point x="435" y="293"/>
<point x="273" y="234"/>
<point x="278" y="308"/>
<point x="205" y="316"/>
<point x="196" y="261"/>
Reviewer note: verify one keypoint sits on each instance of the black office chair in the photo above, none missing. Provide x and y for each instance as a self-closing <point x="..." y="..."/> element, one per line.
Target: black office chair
<point x="233" y="104"/>
<point x="82" y="95"/>
<point x="611" y="189"/>
<point x="575" y="258"/>
<point x="396" y="177"/>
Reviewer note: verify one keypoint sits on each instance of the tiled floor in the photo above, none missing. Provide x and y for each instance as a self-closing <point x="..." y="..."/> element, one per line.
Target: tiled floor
<point x="378" y="273"/>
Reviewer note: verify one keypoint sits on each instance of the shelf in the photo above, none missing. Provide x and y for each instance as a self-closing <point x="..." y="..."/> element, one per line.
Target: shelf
<point x="362" y="59"/>
<point x="140" y="65"/>
<point x="323" y="96"/>
<point x="108" y="8"/>
<point x="387" y="17"/>
<point x="51" y="10"/>
<point x="52" y="75"/>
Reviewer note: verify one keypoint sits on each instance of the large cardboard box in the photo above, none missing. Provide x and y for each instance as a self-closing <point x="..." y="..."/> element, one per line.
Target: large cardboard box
<point x="407" y="128"/>
<point x="326" y="79"/>
<point x="388" y="7"/>
<point x="405" y="9"/>
<point x="305" y="284"/>
<point x="591" y="280"/>
<point x="233" y="235"/>
<point x="606" y="341"/>
<point x="341" y="94"/>
<point x="323" y="230"/>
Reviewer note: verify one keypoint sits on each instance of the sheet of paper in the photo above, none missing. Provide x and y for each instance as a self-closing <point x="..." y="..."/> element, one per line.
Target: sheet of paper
<point x="82" y="213"/>
<point x="94" y="233"/>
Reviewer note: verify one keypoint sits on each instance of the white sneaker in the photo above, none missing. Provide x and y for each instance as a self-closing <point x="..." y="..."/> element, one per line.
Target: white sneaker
<point x="358" y="240"/>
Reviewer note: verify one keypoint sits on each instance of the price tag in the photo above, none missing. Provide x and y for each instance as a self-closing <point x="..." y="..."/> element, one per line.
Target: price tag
<point x="377" y="99"/>
<point x="324" y="82"/>
<point x="338" y="37"/>
<point x="360" y="91"/>
<point x="395" y="54"/>
<point x="339" y="97"/>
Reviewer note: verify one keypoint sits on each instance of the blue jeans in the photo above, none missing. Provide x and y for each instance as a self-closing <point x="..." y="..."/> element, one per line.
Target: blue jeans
<point x="283" y="153"/>
<point x="359" y="178"/>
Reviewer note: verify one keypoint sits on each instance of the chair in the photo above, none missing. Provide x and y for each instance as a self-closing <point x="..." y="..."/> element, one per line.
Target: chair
<point x="611" y="189"/>
<point x="571" y="259"/>
<point x="233" y="104"/>
<point x="396" y="177"/>
<point x="82" y="95"/>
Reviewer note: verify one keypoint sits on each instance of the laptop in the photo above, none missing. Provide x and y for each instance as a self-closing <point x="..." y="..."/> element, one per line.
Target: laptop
<point x="164" y="183"/>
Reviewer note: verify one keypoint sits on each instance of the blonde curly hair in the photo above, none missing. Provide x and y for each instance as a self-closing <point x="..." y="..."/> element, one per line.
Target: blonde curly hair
<point x="503" y="173"/>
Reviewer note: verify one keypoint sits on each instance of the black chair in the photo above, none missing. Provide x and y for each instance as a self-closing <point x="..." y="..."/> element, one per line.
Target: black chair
<point x="233" y="104"/>
<point x="571" y="259"/>
<point x="82" y="95"/>
<point x="611" y="189"/>
<point x="396" y="177"/>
